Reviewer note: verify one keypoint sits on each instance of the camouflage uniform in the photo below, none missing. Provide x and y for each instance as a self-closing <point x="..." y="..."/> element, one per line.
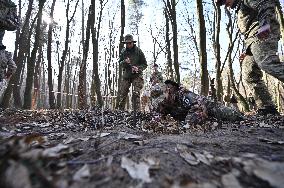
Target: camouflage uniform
<point x="8" y="15"/>
<point x="7" y="65"/>
<point x="138" y="59"/>
<point x="157" y="95"/>
<point x="261" y="53"/>
<point x="156" y="77"/>
<point x="193" y="108"/>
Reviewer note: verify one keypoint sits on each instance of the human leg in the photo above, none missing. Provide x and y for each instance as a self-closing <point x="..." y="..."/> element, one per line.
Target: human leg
<point x="265" y="55"/>
<point x="124" y="90"/>
<point x="253" y="76"/>
<point x="137" y="86"/>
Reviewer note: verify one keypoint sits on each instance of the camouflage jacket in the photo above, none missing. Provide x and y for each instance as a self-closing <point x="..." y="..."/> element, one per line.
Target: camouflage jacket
<point x="252" y="14"/>
<point x="137" y="58"/>
<point x="156" y="77"/>
<point x="8" y="15"/>
<point x="188" y="106"/>
<point x="7" y="65"/>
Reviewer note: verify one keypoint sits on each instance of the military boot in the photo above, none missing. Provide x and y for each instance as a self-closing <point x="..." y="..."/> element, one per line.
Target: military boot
<point x="263" y="111"/>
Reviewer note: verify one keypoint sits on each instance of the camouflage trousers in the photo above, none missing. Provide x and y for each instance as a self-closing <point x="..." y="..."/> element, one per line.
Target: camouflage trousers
<point x="264" y="58"/>
<point x="206" y="107"/>
<point x="265" y="55"/>
<point x="137" y="84"/>
<point x="2" y="33"/>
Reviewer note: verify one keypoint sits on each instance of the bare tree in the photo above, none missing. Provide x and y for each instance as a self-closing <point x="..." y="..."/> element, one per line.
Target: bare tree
<point x="217" y="53"/>
<point x="170" y="6"/>
<point x="119" y="69"/>
<point x="231" y="26"/>
<point x="49" y="68"/>
<point x="168" y="48"/>
<point x="96" y="82"/>
<point x="32" y="59"/>
<point x="82" y="98"/>
<point x="202" y="49"/>
<point x="64" y="54"/>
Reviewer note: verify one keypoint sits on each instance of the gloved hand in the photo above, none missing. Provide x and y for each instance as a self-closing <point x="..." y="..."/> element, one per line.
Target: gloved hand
<point x="135" y="69"/>
<point x="127" y="60"/>
<point x="263" y="32"/>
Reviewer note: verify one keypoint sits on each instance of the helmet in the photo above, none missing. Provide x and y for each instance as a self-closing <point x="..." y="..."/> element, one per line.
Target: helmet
<point x="128" y="38"/>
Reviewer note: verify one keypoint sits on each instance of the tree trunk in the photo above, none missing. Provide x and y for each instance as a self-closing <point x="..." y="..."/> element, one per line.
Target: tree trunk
<point x="82" y="98"/>
<point x="36" y="80"/>
<point x="172" y="10"/>
<point x="17" y="33"/>
<point x="31" y="61"/>
<point x="68" y="73"/>
<point x="230" y="61"/>
<point x="95" y="39"/>
<point x="219" y="86"/>
<point x="202" y="50"/>
<point x="49" y="68"/>
<point x="168" y="43"/>
<point x="64" y="54"/>
<point x="122" y="21"/>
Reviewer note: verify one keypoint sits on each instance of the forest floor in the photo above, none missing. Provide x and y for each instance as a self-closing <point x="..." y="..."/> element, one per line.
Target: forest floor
<point x="81" y="149"/>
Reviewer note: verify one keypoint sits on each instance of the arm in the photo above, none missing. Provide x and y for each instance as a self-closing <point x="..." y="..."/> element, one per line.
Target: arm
<point x="266" y="15"/>
<point x="143" y="63"/>
<point x="122" y="61"/>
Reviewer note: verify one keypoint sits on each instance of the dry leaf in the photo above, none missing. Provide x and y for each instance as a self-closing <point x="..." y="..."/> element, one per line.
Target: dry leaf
<point x="82" y="173"/>
<point x="127" y="136"/>
<point x="54" y="151"/>
<point x="17" y="176"/>
<point x="272" y="172"/>
<point x="230" y="180"/>
<point x="136" y="170"/>
<point x="187" y="155"/>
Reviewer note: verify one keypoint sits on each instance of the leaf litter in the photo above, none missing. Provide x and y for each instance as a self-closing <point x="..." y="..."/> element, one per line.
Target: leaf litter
<point x="103" y="148"/>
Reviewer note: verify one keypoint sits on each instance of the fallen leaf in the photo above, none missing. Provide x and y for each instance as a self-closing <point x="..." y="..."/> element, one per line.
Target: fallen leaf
<point x="54" y="151"/>
<point x="82" y="173"/>
<point x="69" y="140"/>
<point x="136" y="170"/>
<point x="187" y="155"/>
<point x="272" y="172"/>
<point x="127" y="136"/>
<point x="264" y="125"/>
<point x="230" y="180"/>
<point x="17" y="176"/>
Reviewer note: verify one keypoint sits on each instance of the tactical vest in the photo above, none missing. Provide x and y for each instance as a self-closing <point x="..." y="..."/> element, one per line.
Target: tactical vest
<point x="187" y="99"/>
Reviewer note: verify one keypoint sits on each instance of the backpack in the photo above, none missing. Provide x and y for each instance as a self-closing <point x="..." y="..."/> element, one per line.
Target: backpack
<point x="8" y="15"/>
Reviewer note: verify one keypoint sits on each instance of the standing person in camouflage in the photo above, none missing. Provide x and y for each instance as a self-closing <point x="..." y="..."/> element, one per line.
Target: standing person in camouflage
<point x="8" y="21"/>
<point x="133" y="62"/>
<point x="258" y="23"/>
<point x="184" y="105"/>
<point x="156" y="76"/>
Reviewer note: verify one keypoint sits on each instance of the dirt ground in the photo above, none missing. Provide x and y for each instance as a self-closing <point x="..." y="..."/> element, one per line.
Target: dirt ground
<point x="98" y="148"/>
